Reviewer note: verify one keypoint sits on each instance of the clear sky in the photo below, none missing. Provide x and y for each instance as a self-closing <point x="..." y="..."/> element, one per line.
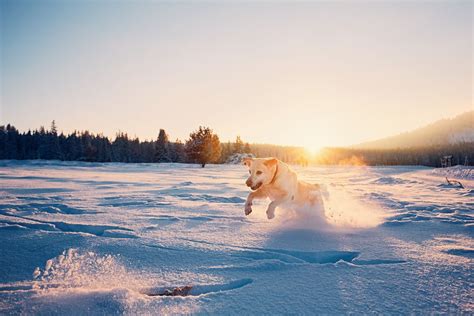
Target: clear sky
<point x="306" y="73"/>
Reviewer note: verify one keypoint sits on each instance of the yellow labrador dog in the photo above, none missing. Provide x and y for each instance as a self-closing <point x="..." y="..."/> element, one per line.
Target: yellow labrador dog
<point x="272" y="178"/>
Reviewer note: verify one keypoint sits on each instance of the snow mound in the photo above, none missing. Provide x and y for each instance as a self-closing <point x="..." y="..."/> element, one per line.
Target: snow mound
<point x="236" y="159"/>
<point x="73" y="270"/>
<point x="456" y="172"/>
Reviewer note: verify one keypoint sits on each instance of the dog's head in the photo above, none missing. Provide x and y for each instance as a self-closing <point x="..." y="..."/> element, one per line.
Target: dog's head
<point x="262" y="171"/>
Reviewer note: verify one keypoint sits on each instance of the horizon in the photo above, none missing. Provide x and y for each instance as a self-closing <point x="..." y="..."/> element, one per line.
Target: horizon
<point x="310" y="151"/>
<point x="167" y="65"/>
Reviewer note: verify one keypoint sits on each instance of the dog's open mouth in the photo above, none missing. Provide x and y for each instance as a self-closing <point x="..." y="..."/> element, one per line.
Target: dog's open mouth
<point x="255" y="187"/>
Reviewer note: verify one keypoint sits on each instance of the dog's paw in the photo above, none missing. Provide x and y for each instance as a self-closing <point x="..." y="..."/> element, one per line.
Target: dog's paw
<point x="270" y="214"/>
<point x="248" y="209"/>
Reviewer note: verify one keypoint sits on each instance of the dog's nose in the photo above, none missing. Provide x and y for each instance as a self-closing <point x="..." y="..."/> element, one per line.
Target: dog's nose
<point x="248" y="183"/>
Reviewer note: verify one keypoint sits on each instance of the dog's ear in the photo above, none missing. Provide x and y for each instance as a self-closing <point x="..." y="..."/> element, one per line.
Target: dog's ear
<point x="270" y="162"/>
<point x="247" y="161"/>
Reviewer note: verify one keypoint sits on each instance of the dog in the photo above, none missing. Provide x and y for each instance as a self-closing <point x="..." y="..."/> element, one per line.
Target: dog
<point x="272" y="178"/>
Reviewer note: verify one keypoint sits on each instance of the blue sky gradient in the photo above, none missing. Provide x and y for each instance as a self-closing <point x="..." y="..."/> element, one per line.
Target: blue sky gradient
<point x="307" y="73"/>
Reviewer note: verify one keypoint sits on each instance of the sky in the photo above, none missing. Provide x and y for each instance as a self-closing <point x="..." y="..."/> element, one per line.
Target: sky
<point x="310" y="74"/>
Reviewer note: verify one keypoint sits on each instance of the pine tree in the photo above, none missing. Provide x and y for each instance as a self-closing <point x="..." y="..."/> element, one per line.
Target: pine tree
<point x="54" y="151"/>
<point x="162" y="153"/>
<point x="177" y="153"/>
<point x="121" y="148"/>
<point x="227" y="151"/>
<point x="90" y="151"/>
<point x="11" y="145"/>
<point x="147" y="151"/>
<point x="3" y="141"/>
<point x="203" y="146"/>
<point x="247" y="149"/>
<point x="54" y="128"/>
<point x="238" y="145"/>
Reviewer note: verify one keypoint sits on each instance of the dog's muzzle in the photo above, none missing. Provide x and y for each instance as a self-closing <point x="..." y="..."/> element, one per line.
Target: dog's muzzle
<point x="248" y="183"/>
<point x="253" y="187"/>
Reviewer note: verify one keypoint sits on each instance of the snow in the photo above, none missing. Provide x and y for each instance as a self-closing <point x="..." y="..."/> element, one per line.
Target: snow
<point x="81" y="238"/>
<point x="236" y="159"/>
<point x="456" y="172"/>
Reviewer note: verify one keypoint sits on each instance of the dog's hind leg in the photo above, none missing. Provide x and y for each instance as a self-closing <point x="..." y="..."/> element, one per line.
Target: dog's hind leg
<point x="271" y="209"/>
<point x="273" y="205"/>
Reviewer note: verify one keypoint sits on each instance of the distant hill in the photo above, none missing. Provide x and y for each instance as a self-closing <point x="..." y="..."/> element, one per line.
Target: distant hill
<point x="443" y="132"/>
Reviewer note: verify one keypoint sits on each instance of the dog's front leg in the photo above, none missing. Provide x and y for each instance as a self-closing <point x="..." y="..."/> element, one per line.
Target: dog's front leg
<point x="253" y="195"/>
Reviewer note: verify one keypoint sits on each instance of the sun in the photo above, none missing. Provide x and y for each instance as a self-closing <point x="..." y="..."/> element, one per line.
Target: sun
<point x="311" y="141"/>
<point x="312" y="150"/>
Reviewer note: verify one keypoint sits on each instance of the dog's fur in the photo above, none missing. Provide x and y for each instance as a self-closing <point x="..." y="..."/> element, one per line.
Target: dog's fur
<point x="272" y="178"/>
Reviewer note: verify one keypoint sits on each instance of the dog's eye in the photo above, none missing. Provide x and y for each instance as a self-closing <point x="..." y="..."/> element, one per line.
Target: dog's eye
<point x="259" y="173"/>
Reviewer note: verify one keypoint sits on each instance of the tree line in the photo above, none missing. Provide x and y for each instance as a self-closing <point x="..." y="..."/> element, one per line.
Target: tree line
<point x="461" y="154"/>
<point x="203" y="146"/>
